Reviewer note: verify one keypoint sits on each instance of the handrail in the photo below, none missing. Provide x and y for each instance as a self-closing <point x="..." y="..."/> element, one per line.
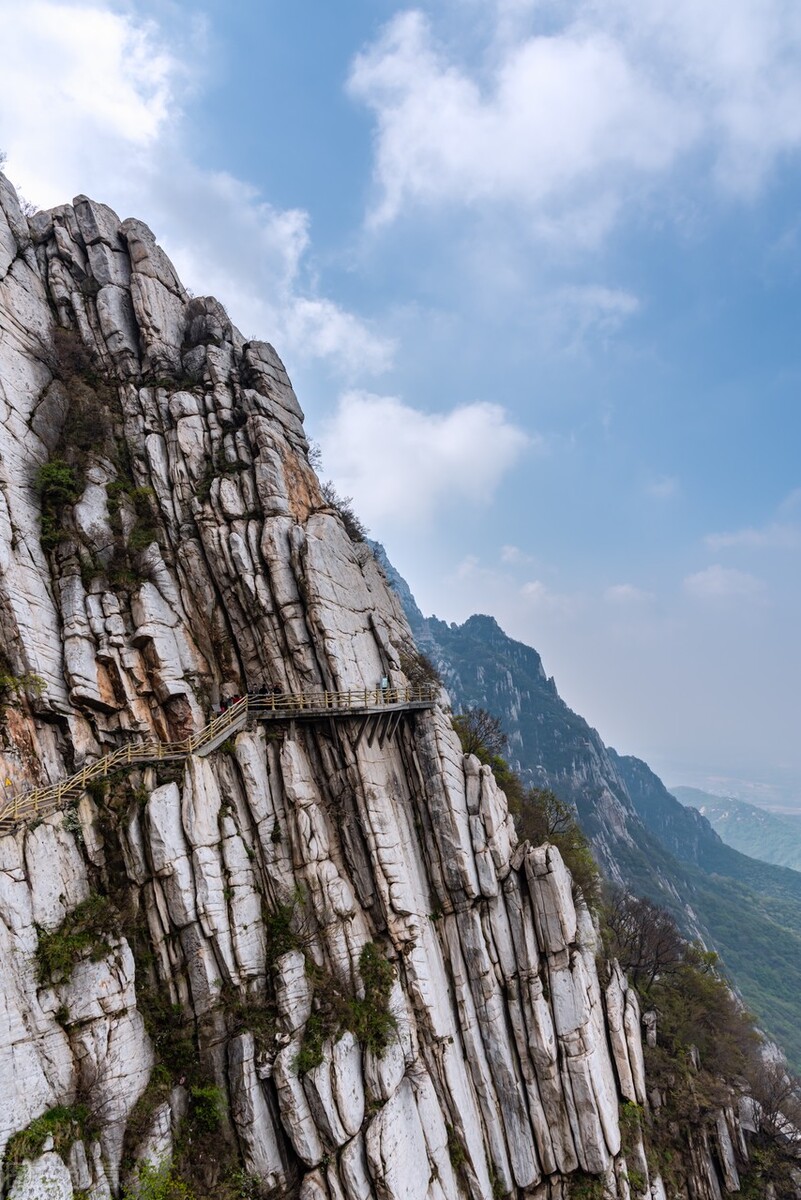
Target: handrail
<point x="266" y="705"/>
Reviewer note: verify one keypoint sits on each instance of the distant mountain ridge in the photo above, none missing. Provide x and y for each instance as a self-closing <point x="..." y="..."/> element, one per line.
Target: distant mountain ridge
<point x="770" y="836"/>
<point x="642" y="836"/>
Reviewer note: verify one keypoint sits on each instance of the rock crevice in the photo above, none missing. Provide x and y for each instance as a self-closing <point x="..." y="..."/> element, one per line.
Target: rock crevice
<point x="198" y="559"/>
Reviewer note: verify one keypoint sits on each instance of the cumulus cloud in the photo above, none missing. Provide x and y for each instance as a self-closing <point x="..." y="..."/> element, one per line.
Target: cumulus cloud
<point x="91" y="101"/>
<point x="570" y="118"/>
<point x="717" y="582"/>
<point x="775" y="536"/>
<point x="441" y="136"/>
<point x="782" y="533"/>
<point x="79" y="80"/>
<point x="514" y="556"/>
<point x="259" y="273"/>
<point x="400" y="463"/>
<point x="538" y="595"/>
<point x="626" y="594"/>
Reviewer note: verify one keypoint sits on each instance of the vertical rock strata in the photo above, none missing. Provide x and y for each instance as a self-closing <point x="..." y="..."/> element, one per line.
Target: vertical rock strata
<point x="193" y="558"/>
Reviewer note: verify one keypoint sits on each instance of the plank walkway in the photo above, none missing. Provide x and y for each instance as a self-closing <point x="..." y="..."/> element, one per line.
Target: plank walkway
<point x="283" y="706"/>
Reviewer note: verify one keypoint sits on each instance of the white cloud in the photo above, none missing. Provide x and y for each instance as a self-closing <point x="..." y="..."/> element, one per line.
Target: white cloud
<point x="598" y="305"/>
<point x="737" y="62"/>
<point x="488" y="581"/>
<point x="538" y="595"/>
<point x="557" y="111"/>
<point x="783" y="533"/>
<point x="663" y="488"/>
<point x="79" y="84"/>
<point x="400" y="463"/>
<point x="570" y="124"/>
<point x="717" y="582"/>
<point x="321" y="329"/>
<point x="576" y="313"/>
<point x="90" y="101"/>
<point x="626" y="594"/>
<point x="514" y="556"/>
<point x="771" y="537"/>
<point x="257" y="269"/>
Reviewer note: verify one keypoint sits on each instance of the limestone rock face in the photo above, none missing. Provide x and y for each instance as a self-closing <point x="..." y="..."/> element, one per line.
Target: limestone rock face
<point x="329" y="928"/>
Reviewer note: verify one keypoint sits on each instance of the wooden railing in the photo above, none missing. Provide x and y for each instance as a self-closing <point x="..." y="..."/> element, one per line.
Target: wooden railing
<point x="367" y="699"/>
<point x="38" y="802"/>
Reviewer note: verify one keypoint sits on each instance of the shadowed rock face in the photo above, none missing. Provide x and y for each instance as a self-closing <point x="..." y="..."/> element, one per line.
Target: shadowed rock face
<point x="194" y="560"/>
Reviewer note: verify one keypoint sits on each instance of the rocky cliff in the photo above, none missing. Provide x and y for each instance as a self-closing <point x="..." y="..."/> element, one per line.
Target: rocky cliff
<point x="308" y="962"/>
<point x="749" y="911"/>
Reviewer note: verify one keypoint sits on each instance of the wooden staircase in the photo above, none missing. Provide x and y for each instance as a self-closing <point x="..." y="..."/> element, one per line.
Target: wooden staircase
<point x="388" y="705"/>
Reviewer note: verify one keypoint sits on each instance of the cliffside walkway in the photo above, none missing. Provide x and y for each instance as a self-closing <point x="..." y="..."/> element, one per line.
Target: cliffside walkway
<point x="380" y="711"/>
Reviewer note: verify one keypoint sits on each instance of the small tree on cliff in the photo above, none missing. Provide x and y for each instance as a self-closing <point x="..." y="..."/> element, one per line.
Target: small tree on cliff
<point x="355" y="529"/>
<point x="543" y="817"/>
<point x="643" y="937"/>
<point x="480" y="733"/>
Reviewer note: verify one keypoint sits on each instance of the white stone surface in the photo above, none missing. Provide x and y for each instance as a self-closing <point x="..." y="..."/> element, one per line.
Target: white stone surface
<point x="46" y="1178"/>
<point x="504" y="1041"/>
<point x="252" y="1116"/>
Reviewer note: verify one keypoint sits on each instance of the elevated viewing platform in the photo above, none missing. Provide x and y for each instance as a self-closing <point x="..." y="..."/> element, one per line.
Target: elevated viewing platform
<point x="380" y="710"/>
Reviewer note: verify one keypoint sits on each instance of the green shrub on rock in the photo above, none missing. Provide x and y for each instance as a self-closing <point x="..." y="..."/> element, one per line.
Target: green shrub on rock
<point x="65" y="1125"/>
<point x="58" y="486"/>
<point x="84" y="933"/>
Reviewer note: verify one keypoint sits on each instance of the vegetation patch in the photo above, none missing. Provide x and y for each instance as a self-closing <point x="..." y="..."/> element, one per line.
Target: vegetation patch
<point x="543" y="817"/>
<point x="369" y="1017"/>
<point x="173" y="1037"/>
<point x="456" y="1151"/>
<point x="206" y="1107"/>
<point x="585" y="1187"/>
<point x="637" y="1181"/>
<point x="281" y="928"/>
<point x="59" y="485"/>
<point x="315" y="1032"/>
<point x="160" y="1182"/>
<point x="540" y="816"/>
<point x="63" y="1124"/>
<point x="138" y="1124"/>
<point x="92" y="404"/>
<point x="13" y="686"/>
<point x="481" y="734"/>
<point x="496" y="1183"/>
<point x="631" y="1117"/>
<point x="93" y="426"/>
<point x="706" y="1041"/>
<point x="247" y="1014"/>
<point x="419" y="669"/>
<point x="343" y="505"/>
<point x="84" y="933"/>
<point x="139" y="506"/>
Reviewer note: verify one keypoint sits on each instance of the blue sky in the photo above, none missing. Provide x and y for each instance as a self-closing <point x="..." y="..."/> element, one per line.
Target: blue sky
<point x="535" y="269"/>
